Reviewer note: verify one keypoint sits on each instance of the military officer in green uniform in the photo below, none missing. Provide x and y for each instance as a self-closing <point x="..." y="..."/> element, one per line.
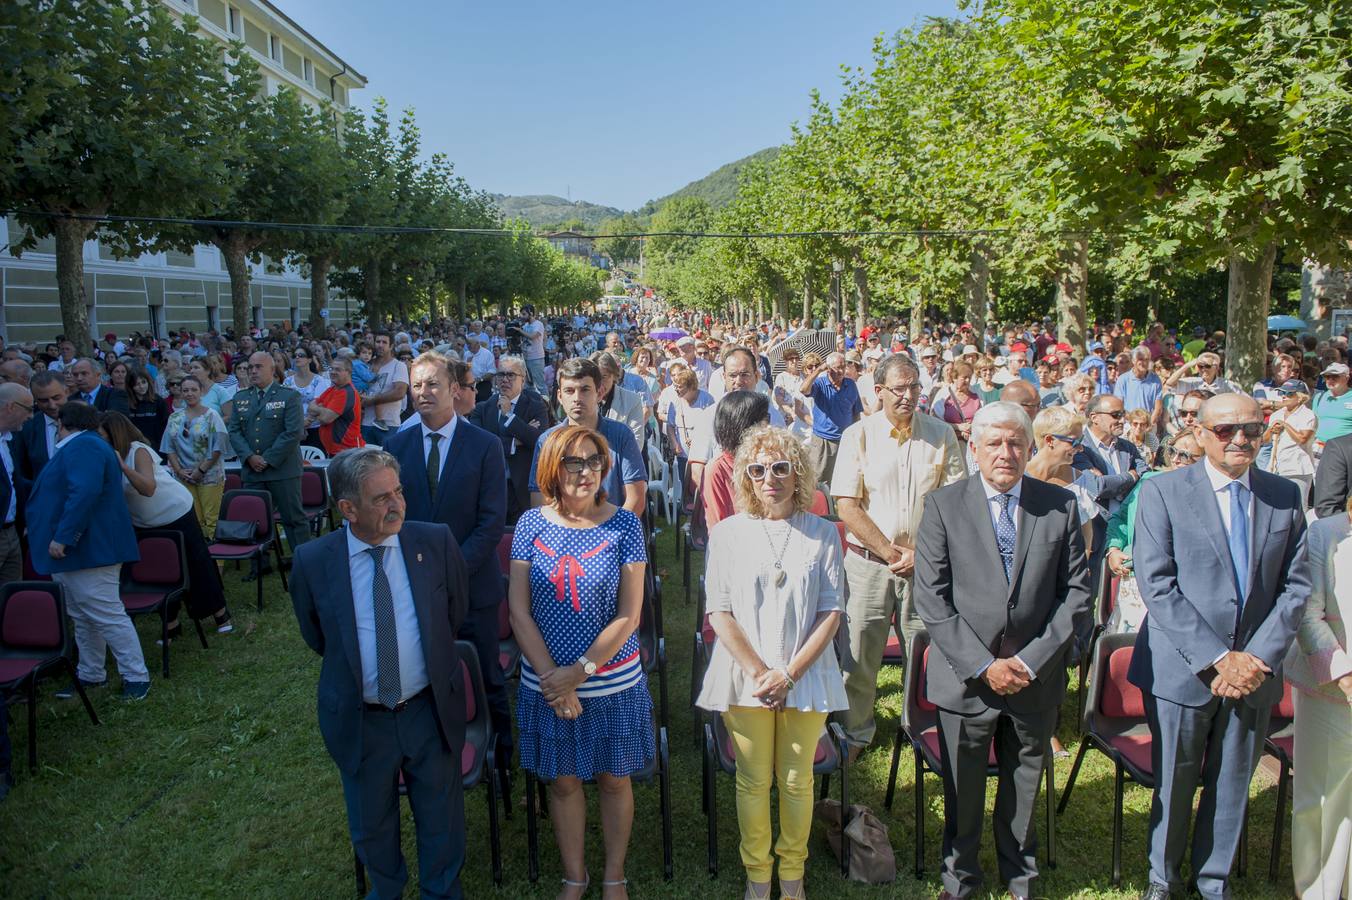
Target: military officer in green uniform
<point x="265" y="430"/>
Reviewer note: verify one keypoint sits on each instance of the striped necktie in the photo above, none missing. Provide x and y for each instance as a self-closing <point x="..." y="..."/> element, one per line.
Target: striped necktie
<point x="388" y="691"/>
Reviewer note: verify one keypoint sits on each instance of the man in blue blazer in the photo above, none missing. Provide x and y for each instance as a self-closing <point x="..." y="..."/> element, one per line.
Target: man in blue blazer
<point x="380" y="601"/>
<point x="80" y="533"/>
<point x="454" y="473"/>
<point x="36" y="441"/>
<point x="1220" y="559"/>
<point x="517" y="415"/>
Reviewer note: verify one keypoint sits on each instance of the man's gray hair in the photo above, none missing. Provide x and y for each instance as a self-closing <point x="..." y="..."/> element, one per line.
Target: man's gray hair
<point x="1001" y="412"/>
<point x="833" y="357"/>
<point x="1099" y="402"/>
<point x="1142" y="352"/>
<point x="515" y="360"/>
<point x="893" y="362"/>
<point x="93" y="364"/>
<point x="350" y="468"/>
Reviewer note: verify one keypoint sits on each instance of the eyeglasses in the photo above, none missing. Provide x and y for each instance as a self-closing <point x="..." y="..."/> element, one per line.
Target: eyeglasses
<point x="1206" y="366"/>
<point x="778" y="470"/>
<point x="1116" y="414"/>
<point x="1189" y="413"/>
<point x="1073" y="441"/>
<point x="1251" y="430"/>
<point x="1185" y="456"/>
<point x="576" y="464"/>
<point x="468" y="385"/>
<point x="506" y="376"/>
<point x="902" y="390"/>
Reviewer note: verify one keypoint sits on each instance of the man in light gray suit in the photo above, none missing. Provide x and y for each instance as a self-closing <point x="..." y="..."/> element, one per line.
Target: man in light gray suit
<point x="1001" y="583"/>
<point x="1220" y="559"/>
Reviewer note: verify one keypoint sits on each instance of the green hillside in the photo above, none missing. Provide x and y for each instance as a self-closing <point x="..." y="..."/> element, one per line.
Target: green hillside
<point x="718" y="187"/>
<point x="548" y="211"/>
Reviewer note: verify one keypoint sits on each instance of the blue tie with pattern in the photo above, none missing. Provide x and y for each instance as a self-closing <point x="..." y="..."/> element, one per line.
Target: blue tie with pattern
<point x="1005" y="534"/>
<point x="388" y="691"/>
<point x="1239" y="537"/>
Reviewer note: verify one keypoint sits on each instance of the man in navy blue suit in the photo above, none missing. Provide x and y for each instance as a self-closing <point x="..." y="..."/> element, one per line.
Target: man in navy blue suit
<point x="380" y="601"/>
<point x="88" y="375"/>
<point x="16" y="408"/>
<point x="453" y="472"/>
<point x="517" y="415"/>
<point x="1220" y="558"/>
<point x="36" y="441"/>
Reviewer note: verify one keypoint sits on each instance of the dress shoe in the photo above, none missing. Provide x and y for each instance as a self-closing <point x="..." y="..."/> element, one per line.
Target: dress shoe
<point x="1156" y="892"/>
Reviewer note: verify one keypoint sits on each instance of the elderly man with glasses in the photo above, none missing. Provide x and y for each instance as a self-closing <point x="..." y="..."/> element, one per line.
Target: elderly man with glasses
<point x="887" y="464"/>
<point x="518" y="416"/>
<point x="1114" y="459"/>
<point x="1208" y="377"/>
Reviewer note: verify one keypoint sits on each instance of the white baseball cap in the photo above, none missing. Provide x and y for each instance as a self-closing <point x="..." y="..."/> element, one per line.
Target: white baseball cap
<point x="1335" y="369"/>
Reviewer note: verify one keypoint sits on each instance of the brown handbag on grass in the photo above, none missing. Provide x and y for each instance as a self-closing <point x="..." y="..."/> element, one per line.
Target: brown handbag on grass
<point x="872" y="860"/>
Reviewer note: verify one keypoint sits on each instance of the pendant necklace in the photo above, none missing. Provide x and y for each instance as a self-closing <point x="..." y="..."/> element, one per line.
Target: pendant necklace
<point x="780" y="575"/>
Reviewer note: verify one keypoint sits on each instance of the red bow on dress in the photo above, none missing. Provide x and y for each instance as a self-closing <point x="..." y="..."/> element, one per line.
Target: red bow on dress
<point x="567" y="571"/>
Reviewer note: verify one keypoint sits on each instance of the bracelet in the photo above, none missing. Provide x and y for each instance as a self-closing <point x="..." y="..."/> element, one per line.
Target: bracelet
<point x="785" y="672"/>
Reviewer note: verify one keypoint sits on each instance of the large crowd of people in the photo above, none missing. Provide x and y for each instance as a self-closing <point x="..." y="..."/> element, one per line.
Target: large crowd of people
<point x="991" y="486"/>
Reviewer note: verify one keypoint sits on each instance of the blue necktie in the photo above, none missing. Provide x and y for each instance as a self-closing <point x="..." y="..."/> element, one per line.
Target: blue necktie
<point x="1239" y="537"/>
<point x="388" y="691"/>
<point x="1005" y="534"/>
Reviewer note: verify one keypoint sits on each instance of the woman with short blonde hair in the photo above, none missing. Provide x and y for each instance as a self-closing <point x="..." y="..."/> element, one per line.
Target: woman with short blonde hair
<point x="776" y="597"/>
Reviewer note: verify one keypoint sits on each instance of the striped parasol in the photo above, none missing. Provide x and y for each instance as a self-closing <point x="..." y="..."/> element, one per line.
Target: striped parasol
<point x="821" y="341"/>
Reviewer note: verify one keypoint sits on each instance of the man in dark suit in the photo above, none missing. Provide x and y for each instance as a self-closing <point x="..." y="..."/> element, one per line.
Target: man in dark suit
<point x="454" y="473"/>
<point x="36" y="441"/>
<point x="380" y="601"/>
<point x="16" y="408"/>
<point x="1001" y="583"/>
<point x="88" y="375"/>
<point x="1119" y="466"/>
<point x="517" y="415"/>
<point x="1333" y="479"/>
<point x="1220" y="560"/>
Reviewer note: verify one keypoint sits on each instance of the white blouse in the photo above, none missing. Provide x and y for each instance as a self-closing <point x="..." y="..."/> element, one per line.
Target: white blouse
<point x="170" y="501"/>
<point x="740" y="578"/>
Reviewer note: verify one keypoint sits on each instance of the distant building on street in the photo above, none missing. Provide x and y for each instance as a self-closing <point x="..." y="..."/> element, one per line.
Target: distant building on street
<point x="572" y="243"/>
<point x="162" y="291"/>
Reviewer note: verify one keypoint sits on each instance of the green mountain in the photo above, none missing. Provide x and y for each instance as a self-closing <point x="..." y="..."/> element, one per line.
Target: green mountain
<point x="545" y="211"/>
<point x="718" y="187"/>
<point x="548" y="211"/>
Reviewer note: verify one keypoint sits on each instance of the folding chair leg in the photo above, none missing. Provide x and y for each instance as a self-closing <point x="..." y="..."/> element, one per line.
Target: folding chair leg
<point x="1051" y="806"/>
<point x="259" y="560"/>
<point x="1118" y="788"/>
<point x="164" y="638"/>
<point x="664" y="796"/>
<point x="32" y="725"/>
<point x="843" y="749"/>
<point x="1074" y="773"/>
<point x="919" y="814"/>
<point x="281" y="568"/>
<point x="892" y="773"/>
<point x="494" y="837"/>
<point x="79" y="689"/>
<point x="201" y="635"/>
<point x="824" y="790"/>
<point x="711" y="763"/>
<point x="532" y="832"/>
<point x="359" y="873"/>
<point x="505" y="783"/>
<point x="1275" y="857"/>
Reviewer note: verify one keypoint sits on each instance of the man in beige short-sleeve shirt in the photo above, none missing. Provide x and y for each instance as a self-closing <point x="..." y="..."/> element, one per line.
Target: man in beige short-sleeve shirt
<point x="887" y="463"/>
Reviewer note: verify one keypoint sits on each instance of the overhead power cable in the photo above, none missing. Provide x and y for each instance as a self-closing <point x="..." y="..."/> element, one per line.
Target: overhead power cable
<point x="382" y="230"/>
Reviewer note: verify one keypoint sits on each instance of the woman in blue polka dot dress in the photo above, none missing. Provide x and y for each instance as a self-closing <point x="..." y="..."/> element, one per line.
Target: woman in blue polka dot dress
<point x="583" y="709"/>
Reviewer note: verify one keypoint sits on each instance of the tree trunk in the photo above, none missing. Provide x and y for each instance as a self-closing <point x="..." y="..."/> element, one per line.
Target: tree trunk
<point x="234" y="250"/>
<point x="462" y="299"/>
<point x="319" y="294"/>
<point x="917" y="313"/>
<point x="1250" y="294"/>
<point x="807" y="298"/>
<point x="760" y="308"/>
<point x="782" y="305"/>
<point x="977" y="286"/>
<point x="861" y="299"/>
<point x="70" y="238"/>
<point x="371" y="292"/>
<point x="1072" y="292"/>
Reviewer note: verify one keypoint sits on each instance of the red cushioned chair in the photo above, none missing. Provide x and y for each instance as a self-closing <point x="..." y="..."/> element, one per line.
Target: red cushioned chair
<point x="919" y="727"/>
<point x="152" y="584"/>
<point x="30" y="573"/>
<point x="35" y="641"/>
<point x="1106" y="603"/>
<point x="314" y="499"/>
<point x="1115" y="725"/>
<point x="233" y="482"/>
<point x="696" y="538"/>
<point x="1280" y="744"/>
<point x="250" y="506"/>
<point x="821" y="504"/>
<point x="509" y="651"/>
<point x="477" y="758"/>
<point x="831" y="756"/>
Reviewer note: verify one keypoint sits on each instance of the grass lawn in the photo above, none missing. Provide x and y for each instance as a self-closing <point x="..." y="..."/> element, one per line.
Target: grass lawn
<point x="218" y="786"/>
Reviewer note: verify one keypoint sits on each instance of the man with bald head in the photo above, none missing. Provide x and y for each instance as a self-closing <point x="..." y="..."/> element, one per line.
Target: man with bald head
<point x="1220" y="561"/>
<point x="15" y="371"/>
<point x="265" y="430"/>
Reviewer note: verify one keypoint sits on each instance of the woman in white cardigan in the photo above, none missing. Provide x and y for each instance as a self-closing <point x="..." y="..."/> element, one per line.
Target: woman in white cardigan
<point x="1320" y="668"/>
<point x="776" y="595"/>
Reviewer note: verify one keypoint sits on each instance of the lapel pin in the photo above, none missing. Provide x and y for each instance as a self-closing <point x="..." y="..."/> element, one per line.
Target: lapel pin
<point x="419" y="557"/>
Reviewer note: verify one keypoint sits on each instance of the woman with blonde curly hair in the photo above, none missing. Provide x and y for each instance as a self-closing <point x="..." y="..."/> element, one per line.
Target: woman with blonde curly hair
<point x="776" y="597"/>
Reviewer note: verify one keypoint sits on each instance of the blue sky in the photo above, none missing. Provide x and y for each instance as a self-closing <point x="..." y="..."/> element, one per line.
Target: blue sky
<point x="614" y="102"/>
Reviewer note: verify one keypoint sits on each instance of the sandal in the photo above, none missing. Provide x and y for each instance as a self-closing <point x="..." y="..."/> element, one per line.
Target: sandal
<point x="795" y="892"/>
<point x="584" y="884"/>
<point x="623" y="882"/>
<point x="753" y="894"/>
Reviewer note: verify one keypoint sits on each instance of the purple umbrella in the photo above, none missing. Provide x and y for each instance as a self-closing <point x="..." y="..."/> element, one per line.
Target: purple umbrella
<point x="666" y="334"/>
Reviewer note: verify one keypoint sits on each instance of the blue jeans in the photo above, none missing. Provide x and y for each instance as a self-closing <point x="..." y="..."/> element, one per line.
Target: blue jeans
<point x="374" y="436"/>
<point x="535" y="368"/>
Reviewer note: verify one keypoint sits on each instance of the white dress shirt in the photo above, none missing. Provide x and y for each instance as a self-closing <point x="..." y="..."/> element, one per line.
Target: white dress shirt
<point x="1220" y="485"/>
<point x="1109" y="452"/>
<point x="9" y="470"/>
<point x="482" y="364"/>
<point x="447" y="432"/>
<point x="412" y="664"/>
<point x="993" y="507"/>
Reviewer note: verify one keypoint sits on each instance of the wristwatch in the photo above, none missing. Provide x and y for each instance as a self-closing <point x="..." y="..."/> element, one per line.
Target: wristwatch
<point x="588" y="667"/>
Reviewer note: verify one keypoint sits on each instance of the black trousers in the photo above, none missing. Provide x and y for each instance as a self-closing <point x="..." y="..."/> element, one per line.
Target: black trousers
<point x="407" y="740"/>
<point x="1022" y="742"/>
<point x="206" y="593"/>
<point x="286" y="500"/>
<point x="480" y="628"/>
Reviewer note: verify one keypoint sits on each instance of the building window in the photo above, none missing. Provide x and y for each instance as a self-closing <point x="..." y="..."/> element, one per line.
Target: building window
<point x="309" y="72"/>
<point x="236" y="23"/>
<point x="275" y="47"/>
<point x="214" y="318"/>
<point x="181" y="260"/>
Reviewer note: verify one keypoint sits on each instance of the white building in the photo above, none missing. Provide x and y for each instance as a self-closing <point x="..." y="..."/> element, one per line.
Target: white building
<point x="163" y="291"/>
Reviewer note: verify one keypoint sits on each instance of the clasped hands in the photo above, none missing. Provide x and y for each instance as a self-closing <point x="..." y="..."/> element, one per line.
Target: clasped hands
<point x="1006" y="676"/>
<point x="559" y="688"/>
<point x="1238" y="674"/>
<point x="904" y="563"/>
<point x="772" y="687"/>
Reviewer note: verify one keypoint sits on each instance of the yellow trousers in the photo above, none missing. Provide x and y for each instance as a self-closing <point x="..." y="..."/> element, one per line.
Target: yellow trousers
<point x="206" y="503"/>
<point x="774" y="746"/>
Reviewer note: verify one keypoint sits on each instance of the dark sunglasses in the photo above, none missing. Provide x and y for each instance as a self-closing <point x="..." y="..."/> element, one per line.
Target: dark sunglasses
<point x="1118" y="414"/>
<point x="1073" y="441"/>
<point x="576" y="464"/>
<point x="1189" y="413"/>
<point x="1251" y="430"/>
<point x="778" y="470"/>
